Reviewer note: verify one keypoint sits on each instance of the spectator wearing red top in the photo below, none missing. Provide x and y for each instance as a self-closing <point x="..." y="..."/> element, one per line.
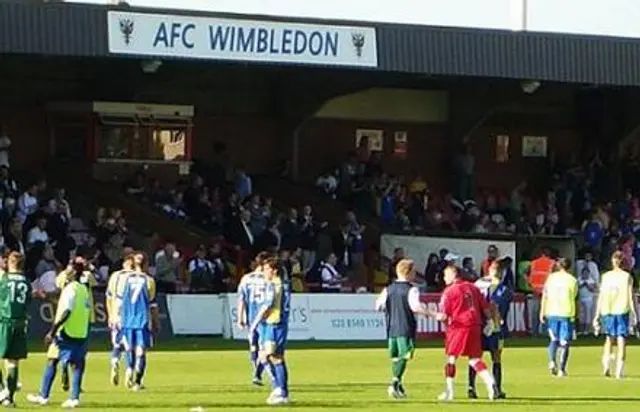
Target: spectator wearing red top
<point x="492" y="255"/>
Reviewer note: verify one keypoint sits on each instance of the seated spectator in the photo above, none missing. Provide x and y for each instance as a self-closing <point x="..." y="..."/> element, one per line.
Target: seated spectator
<point x="39" y="232"/>
<point x="27" y="203"/>
<point x="13" y="238"/>
<point x="47" y="263"/>
<point x="331" y="278"/>
<point x="176" y="209"/>
<point x="136" y="186"/>
<point x="168" y="265"/>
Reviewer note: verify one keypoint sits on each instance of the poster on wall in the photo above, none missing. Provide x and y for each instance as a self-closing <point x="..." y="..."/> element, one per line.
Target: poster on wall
<point x="534" y="146"/>
<point x="373" y="136"/>
<point x="400" y="145"/>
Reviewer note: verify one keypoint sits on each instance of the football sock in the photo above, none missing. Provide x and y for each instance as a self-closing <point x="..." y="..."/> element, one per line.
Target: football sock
<point x="115" y="355"/>
<point x="47" y="378"/>
<point x="472" y="378"/>
<point x="497" y="374"/>
<point x="564" y="357"/>
<point x="483" y="373"/>
<point x="12" y="380"/>
<point x="141" y="367"/>
<point x="619" y="367"/>
<point x="553" y="351"/>
<point x="131" y="360"/>
<point x="76" y="385"/>
<point x="282" y="377"/>
<point x="398" y="367"/>
<point x="449" y="373"/>
<point x="272" y="372"/>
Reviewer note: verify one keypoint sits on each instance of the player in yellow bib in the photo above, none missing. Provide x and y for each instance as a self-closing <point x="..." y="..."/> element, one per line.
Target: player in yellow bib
<point x="615" y="313"/>
<point x="558" y="311"/>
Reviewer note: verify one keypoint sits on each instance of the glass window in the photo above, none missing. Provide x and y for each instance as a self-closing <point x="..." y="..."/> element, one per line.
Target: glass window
<point x="169" y="144"/>
<point x="142" y="141"/>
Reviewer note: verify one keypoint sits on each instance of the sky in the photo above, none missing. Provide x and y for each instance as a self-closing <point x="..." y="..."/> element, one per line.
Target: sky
<point x="596" y="17"/>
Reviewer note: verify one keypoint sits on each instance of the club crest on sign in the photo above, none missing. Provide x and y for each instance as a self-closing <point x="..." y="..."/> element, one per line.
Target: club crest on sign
<point x="126" y="28"/>
<point x="358" y="41"/>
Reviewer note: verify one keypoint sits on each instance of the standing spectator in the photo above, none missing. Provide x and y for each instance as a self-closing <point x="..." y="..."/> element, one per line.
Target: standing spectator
<point x="492" y="255"/>
<point x="308" y="238"/>
<point x="168" y="265"/>
<point x="201" y="272"/>
<point x="271" y="239"/>
<point x="240" y="232"/>
<point x="243" y="183"/>
<point x="593" y="233"/>
<point x="468" y="270"/>
<point x="291" y="231"/>
<point x="259" y="219"/>
<point x="398" y="255"/>
<point x="5" y="145"/>
<point x="7" y="185"/>
<point x="588" y="280"/>
<point x="331" y="278"/>
<point x="342" y="244"/>
<point x="538" y="273"/>
<point x="432" y="275"/>
<point x="222" y="272"/>
<point x="357" y="230"/>
<point x="464" y="172"/>
<point x="27" y="203"/>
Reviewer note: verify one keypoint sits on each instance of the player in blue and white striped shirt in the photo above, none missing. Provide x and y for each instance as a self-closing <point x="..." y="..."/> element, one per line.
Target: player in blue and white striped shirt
<point x="251" y="297"/>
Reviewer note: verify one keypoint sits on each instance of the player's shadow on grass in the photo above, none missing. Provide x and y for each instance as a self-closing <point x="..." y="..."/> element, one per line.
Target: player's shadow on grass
<point x="573" y="400"/>
<point x="223" y="405"/>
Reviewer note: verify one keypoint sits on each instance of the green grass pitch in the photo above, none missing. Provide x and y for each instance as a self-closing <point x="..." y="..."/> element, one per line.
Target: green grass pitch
<point x="214" y="375"/>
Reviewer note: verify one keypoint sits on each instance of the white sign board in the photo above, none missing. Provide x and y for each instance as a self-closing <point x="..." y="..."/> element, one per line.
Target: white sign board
<point x="299" y="318"/>
<point x="173" y="36"/>
<point x="196" y="314"/>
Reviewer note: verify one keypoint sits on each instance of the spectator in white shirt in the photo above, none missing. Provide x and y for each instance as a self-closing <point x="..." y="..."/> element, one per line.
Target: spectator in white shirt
<point x="27" y="203"/>
<point x="588" y="280"/>
<point x="38" y="233"/>
<point x="331" y="278"/>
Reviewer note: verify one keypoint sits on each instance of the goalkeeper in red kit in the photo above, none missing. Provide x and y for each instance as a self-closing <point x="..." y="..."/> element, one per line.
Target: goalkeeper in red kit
<point x="464" y="311"/>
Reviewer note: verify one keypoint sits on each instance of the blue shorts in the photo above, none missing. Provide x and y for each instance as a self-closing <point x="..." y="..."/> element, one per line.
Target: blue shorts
<point x="254" y="340"/>
<point x="67" y="351"/>
<point x="491" y="343"/>
<point x="560" y="328"/>
<point x="117" y="338"/>
<point x="273" y="339"/>
<point x="616" y="325"/>
<point x="136" y="338"/>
